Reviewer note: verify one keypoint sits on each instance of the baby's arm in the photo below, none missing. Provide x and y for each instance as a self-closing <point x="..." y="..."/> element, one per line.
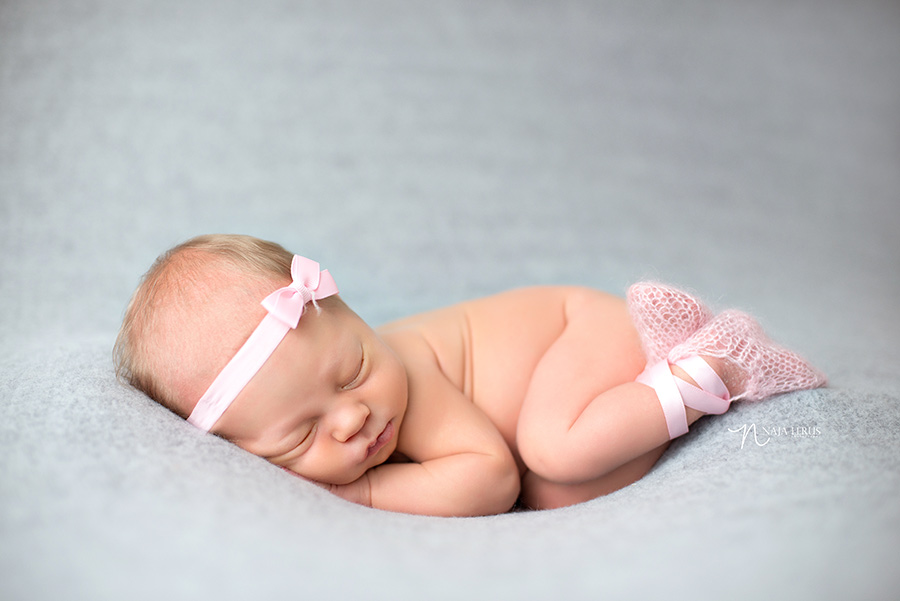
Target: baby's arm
<point x="461" y="464"/>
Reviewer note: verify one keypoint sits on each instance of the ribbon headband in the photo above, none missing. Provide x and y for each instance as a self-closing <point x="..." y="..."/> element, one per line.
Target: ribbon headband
<point x="285" y="307"/>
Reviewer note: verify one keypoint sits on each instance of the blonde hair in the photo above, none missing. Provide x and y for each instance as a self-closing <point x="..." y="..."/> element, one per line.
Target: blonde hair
<point x="167" y="284"/>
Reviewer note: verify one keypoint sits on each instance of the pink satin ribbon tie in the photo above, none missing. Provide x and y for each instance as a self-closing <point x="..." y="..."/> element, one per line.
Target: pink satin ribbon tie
<point x="674" y="394"/>
<point x="284" y="309"/>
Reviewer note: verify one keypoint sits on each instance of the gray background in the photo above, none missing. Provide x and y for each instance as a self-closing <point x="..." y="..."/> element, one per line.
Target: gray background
<point x="427" y="153"/>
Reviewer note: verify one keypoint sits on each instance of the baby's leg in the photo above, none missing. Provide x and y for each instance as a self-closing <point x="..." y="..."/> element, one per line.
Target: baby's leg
<point x="584" y="415"/>
<point x="612" y="429"/>
<point x="540" y="493"/>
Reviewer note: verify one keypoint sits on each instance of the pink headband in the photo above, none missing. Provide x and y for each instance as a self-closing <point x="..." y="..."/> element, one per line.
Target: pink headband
<point x="285" y="308"/>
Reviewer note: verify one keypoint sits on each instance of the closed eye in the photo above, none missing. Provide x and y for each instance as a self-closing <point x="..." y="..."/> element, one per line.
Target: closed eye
<point x="360" y="373"/>
<point x="308" y="437"/>
<point x="296" y="450"/>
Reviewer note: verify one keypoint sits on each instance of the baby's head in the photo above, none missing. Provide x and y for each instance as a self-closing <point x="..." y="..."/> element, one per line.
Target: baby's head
<point x="322" y="396"/>
<point x="192" y="310"/>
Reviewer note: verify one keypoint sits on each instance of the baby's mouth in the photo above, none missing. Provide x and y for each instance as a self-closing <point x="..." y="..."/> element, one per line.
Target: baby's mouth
<point x="382" y="440"/>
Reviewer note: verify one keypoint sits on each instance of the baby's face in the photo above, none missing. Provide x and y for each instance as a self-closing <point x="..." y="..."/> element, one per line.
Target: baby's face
<point x="328" y="403"/>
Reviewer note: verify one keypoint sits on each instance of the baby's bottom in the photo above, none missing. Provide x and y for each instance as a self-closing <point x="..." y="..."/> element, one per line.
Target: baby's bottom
<point x="586" y="427"/>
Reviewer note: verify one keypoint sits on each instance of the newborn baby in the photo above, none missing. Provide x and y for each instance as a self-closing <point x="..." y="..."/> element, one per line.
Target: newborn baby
<point x="547" y="396"/>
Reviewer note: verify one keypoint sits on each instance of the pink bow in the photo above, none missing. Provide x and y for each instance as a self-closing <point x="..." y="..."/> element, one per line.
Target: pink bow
<point x="287" y="304"/>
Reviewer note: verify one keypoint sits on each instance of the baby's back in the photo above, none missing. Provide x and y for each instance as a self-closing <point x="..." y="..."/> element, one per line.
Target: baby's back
<point x="489" y="347"/>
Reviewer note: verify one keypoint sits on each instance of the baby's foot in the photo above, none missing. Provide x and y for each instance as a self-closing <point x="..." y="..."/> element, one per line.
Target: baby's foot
<point x="762" y="368"/>
<point x="664" y="317"/>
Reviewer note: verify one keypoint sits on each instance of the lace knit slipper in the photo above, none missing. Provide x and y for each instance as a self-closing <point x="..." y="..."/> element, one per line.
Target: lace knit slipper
<point x="768" y="369"/>
<point x="664" y="317"/>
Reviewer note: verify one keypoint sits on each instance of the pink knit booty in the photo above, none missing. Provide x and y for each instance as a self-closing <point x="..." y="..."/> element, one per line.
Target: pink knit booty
<point x="767" y="368"/>
<point x="664" y="317"/>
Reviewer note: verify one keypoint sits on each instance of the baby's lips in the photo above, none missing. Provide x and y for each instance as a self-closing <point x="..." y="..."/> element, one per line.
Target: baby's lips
<point x="382" y="439"/>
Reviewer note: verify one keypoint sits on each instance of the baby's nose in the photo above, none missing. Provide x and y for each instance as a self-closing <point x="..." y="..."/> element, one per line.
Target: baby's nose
<point x="349" y="420"/>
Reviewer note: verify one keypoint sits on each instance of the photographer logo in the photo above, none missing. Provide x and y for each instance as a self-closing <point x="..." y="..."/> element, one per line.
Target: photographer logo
<point x="763" y="436"/>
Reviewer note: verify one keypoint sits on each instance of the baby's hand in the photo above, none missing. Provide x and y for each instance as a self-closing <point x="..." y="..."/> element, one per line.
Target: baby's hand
<point x="359" y="491"/>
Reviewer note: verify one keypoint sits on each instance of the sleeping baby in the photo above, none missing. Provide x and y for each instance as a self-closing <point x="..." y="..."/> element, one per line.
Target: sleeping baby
<point x="544" y="396"/>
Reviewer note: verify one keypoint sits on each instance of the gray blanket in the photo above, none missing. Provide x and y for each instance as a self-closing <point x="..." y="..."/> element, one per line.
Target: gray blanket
<point x="428" y="153"/>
